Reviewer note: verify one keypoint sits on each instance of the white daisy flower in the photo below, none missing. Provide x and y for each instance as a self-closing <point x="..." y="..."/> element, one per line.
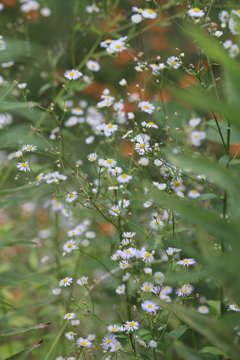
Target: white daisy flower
<point x="114" y="210"/>
<point x="147" y="286"/>
<point x="107" y="341"/>
<point x="123" y="82"/>
<point x="234" y="26"/>
<point x="113" y="328"/>
<point x="203" y="309"/>
<point x="146" y="106"/>
<point x="234" y="51"/>
<point x="92" y="157"/>
<point x="77" y="111"/>
<point x="117" y="346"/>
<point x="75" y="322"/>
<point x="70" y="335"/>
<point x="73" y="120"/>
<point x="121" y="289"/>
<point x="109" y="163"/>
<point x="109" y="129"/>
<point x="194" y="122"/>
<point x="193" y="194"/>
<point x="156" y="68"/>
<point x="72" y="74"/>
<point x="93" y="65"/>
<point x="150" y="124"/>
<point x="149" y="306"/>
<point x="23" y="166"/>
<point x="69" y="316"/>
<point x="234" y="307"/>
<point x="56" y="291"/>
<point x="153" y="344"/>
<point x="173" y="62"/>
<point x="197" y="137"/>
<point x="149" y="14"/>
<point x="69" y="246"/>
<point x="196" y="12"/>
<point x="131" y="325"/>
<point x="184" y="290"/>
<point x="148" y="203"/>
<point x="22" y="86"/>
<point x="66" y="281"/>
<point x="186" y="262"/>
<point x="159" y="277"/>
<point x="72" y="196"/>
<point x="223" y="16"/>
<point x="147" y="256"/>
<point x="83" y="342"/>
<point x="29" y="148"/>
<point x="124" y="178"/>
<point x="82" y="281"/>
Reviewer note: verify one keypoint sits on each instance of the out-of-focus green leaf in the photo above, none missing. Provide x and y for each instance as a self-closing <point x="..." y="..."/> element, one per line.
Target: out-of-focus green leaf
<point x="15" y="105"/>
<point x="223" y="161"/>
<point x="185" y="352"/>
<point x="6" y="304"/>
<point x="175" y="334"/>
<point x="20" y="188"/>
<point x="17" y="243"/>
<point x="213" y="351"/>
<point x="17" y="331"/>
<point x="22" y="354"/>
<point x="6" y="90"/>
<point x="206" y="197"/>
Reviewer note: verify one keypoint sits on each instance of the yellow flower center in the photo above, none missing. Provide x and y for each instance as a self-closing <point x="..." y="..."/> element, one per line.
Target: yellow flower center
<point x="131" y="324"/>
<point x="71" y="74"/>
<point x="69" y="245"/>
<point x="147" y="288"/>
<point x="29" y="147"/>
<point x="151" y="123"/>
<point x="173" y="62"/>
<point x="236" y="28"/>
<point x="109" y="161"/>
<point x="236" y="306"/>
<point x="114" y="329"/>
<point x="24" y="165"/>
<point x="150" y="11"/>
<point x="142" y="146"/>
<point x="83" y="343"/>
<point x="65" y="280"/>
<point x="194" y="191"/>
<point x="109" y="341"/>
<point x="70" y="196"/>
<point x="127" y="251"/>
<point x="185" y="261"/>
<point x="124" y="176"/>
<point x="177" y="183"/>
<point x="147" y="254"/>
<point x="149" y="306"/>
<point x="146" y="106"/>
<point x="118" y="46"/>
<point x="196" y="10"/>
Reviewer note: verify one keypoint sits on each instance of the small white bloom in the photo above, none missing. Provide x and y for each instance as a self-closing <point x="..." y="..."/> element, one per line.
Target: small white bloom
<point x="234" y="51"/>
<point x="45" y="11"/>
<point x="193" y="194"/>
<point x="234" y="307"/>
<point x="203" y="309"/>
<point x="82" y="281"/>
<point x="56" y="291"/>
<point x="69" y="246"/>
<point x="218" y="33"/>
<point x="173" y="62"/>
<point x="121" y="289"/>
<point x="123" y="82"/>
<point x="22" y="86"/>
<point x="29" y="148"/>
<point x="131" y="325"/>
<point x="196" y="12"/>
<point x="93" y="65"/>
<point x="149" y="306"/>
<point x="75" y="322"/>
<point x="72" y="196"/>
<point x="69" y="316"/>
<point x="186" y="262"/>
<point x="194" y="122"/>
<point x="23" y="166"/>
<point x="72" y="74"/>
<point x="136" y="18"/>
<point x="92" y="157"/>
<point x="83" y="342"/>
<point x="146" y="106"/>
<point x="65" y="282"/>
<point x="124" y="178"/>
<point x="153" y="344"/>
<point x="149" y="14"/>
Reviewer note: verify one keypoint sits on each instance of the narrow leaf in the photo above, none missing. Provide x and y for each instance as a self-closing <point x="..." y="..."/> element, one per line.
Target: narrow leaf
<point x="16" y="331"/>
<point x="22" y="354"/>
<point x="213" y="351"/>
<point x="223" y="161"/>
<point x="207" y="196"/>
<point x="18" y="243"/>
<point x="175" y="334"/>
<point x="6" y="304"/>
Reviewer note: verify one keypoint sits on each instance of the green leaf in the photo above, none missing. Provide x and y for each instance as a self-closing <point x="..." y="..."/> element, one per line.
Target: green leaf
<point x="213" y="351"/>
<point x="157" y="241"/>
<point x="144" y="356"/>
<point x="185" y="352"/>
<point x="175" y="334"/>
<point x="207" y="196"/>
<point x="20" y="188"/>
<point x="22" y="354"/>
<point x="15" y="105"/>
<point x="18" y="243"/>
<point x="17" y="331"/>
<point x="6" y="304"/>
<point x="224" y="160"/>
<point x="4" y="92"/>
